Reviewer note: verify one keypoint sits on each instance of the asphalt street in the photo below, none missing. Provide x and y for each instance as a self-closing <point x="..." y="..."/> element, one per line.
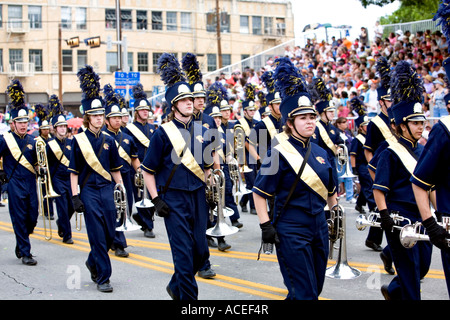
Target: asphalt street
<point x="61" y="273"/>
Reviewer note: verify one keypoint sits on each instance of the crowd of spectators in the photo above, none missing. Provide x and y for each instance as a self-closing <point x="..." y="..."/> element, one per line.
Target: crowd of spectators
<point x="348" y="68"/>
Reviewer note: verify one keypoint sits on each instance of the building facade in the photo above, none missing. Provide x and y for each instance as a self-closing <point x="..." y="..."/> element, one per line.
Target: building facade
<point x="34" y="32"/>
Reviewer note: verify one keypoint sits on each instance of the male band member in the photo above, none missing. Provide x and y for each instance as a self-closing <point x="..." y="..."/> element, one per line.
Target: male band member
<point x="17" y="149"/>
<point x="129" y="158"/>
<point x="58" y="153"/>
<point x="94" y="163"/>
<point x="175" y="173"/>
<point x="194" y="76"/>
<point x="247" y="160"/>
<point x="141" y="131"/>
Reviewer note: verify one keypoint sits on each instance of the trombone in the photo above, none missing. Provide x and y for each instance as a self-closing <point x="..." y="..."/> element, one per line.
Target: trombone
<point x="45" y="188"/>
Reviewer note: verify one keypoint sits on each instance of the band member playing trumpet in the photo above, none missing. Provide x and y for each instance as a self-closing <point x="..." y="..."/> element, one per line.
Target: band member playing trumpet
<point x="392" y="187"/>
<point x="58" y="153"/>
<point x="174" y="172"/>
<point x="141" y="131"/>
<point x="128" y="154"/>
<point x="299" y="228"/>
<point x="94" y="163"/>
<point x="17" y="149"/>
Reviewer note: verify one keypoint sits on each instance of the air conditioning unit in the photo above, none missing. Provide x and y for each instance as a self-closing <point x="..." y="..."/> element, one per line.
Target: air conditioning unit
<point x="18" y="26"/>
<point x="21" y="69"/>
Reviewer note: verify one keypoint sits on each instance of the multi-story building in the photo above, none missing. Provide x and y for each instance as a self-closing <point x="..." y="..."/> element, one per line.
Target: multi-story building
<point x="34" y="35"/>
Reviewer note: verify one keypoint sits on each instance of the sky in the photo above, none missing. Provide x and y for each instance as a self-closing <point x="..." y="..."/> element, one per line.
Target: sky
<point x="339" y="12"/>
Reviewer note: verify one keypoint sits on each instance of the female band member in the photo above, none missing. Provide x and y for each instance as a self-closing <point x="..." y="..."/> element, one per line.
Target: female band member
<point x="298" y="228"/>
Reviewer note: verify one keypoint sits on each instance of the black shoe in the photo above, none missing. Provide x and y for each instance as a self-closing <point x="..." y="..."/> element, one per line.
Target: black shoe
<point x="253" y="211"/>
<point x="222" y="246"/>
<point x="237" y="224"/>
<point x="206" y="274"/>
<point x="387" y="261"/>
<point x="211" y="243"/>
<point x="119" y="252"/>
<point x="385" y="292"/>
<point x="139" y="221"/>
<point x="149" y="233"/>
<point x="360" y="209"/>
<point x="171" y="294"/>
<point x="29" y="261"/>
<point x="68" y="241"/>
<point x="93" y="272"/>
<point x="243" y="207"/>
<point x="60" y="231"/>
<point x="105" y="287"/>
<point x="372" y="245"/>
<point x="18" y="254"/>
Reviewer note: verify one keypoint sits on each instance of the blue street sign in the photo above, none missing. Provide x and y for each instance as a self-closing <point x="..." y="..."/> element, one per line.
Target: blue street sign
<point x="122" y="79"/>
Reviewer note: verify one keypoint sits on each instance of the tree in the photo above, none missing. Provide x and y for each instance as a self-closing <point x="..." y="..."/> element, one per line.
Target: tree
<point x="410" y="10"/>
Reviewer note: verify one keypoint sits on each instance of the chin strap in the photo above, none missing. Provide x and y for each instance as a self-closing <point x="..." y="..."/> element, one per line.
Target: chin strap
<point x="410" y="133"/>
<point x="176" y="108"/>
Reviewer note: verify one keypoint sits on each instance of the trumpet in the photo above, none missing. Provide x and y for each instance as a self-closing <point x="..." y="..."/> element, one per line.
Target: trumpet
<point x="120" y="200"/>
<point x="371" y="221"/>
<point x="142" y="189"/>
<point x="411" y="233"/>
<point x="216" y="191"/>
<point x="239" y="146"/>
<point x="45" y="188"/>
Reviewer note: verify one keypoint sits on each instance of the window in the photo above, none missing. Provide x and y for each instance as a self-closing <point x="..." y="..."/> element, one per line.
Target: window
<point x="185" y="21"/>
<point x="35" y="56"/>
<point x="244" y="25"/>
<point x="110" y="18"/>
<point x="281" y="27"/>
<point x="157" y="20"/>
<point x="141" y="20"/>
<point x="15" y="16"/>
<point x="226" y="59"/>
<point x="1" y="16"/>
<point x="15" y="56"/>
<point x="67" y="63"/>
<point x="111" y="61"/>
<point x="81" y="18"/>
<point x="142" y="61"/>
<point x="66" y="18"/>
<point x="155" y="58"/>
<point x="224" y="22"/>
<point x="212" y="62"/>
<point x="81" y="59"/>
<point x="130" y="61"/>
<point x="1" y="59"/>
<point x="171" y="18"/>
<point x="256" y="25"/>
<point x="126" y="21"/>
<point x="268" y="25"/>
<point x="35" y="17"/>
<point x="211" y="22"/>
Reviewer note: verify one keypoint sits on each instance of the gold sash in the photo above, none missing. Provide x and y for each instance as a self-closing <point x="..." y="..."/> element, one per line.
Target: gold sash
<point x="245" y="125"/>
<point x="309" y="176"/>
<point x="138" y="134"/>
<point x="407" y="159"/>
<point x="90" y="156"/>
<point x="361" y="138"/>
<point x="326" y="138"/>
<point x="282" y="136"/>
<point x="122" y="153"/>
<point x="178" y="144"/>
<point x="270" y="127"/>
<point x="58" y="152"/>
<point x="15" y="151"/>
<point x="384" y="129"/>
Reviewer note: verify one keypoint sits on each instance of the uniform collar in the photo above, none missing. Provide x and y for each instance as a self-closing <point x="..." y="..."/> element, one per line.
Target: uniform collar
<point x="297" y="141"/>
<point x="96" y="135"/>
<point x="111" y="132"/>
<point x="181" y="124"/>
<point x="275" y="119"/>
<point x="19" y="136"/>
<point x="408" y="142"/>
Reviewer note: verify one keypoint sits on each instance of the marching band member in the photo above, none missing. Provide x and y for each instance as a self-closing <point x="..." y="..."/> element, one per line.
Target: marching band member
<point x="194" y="76"/>
<point x="248" y="162"/>
<point x="176" y="180"/>
<point x="431" y="172"/>
<point x="94" y="163"/>
<point x="141" y="131"/>
<point x="299" y="228"/>
<point x="58" y="153"/>
<point x="18" y="151"/>
<point x="128" y="155"/>
<point x="392" y="188"/>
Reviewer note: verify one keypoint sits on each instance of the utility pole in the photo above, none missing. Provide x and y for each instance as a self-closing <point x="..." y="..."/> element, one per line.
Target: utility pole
<point x="219" y="46"/>
<point x="119" y="35"/>
<point x="60" y="63"/>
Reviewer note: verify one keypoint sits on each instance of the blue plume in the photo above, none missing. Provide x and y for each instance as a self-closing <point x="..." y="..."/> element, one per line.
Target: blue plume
<point x="288" y="79"/>
<point x="41" y="111"/>
<point x="406" y="85"/>
<point x="16" y="94"/>
<point x="191" y="68"/>
<point x="443" y="17"/>
<point x="358" y="106"/>
<point x="89" y="82"/>
<point x="169" y="69"/>
<point x="54" y="106"/>
<point x="269" y="81"/>
<point x="215" y="94"/>
<point x="384" y="70"/>
<point x="111" y="97"/>
<point x="321" y="92"/>
<point x="138" y="92"/>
